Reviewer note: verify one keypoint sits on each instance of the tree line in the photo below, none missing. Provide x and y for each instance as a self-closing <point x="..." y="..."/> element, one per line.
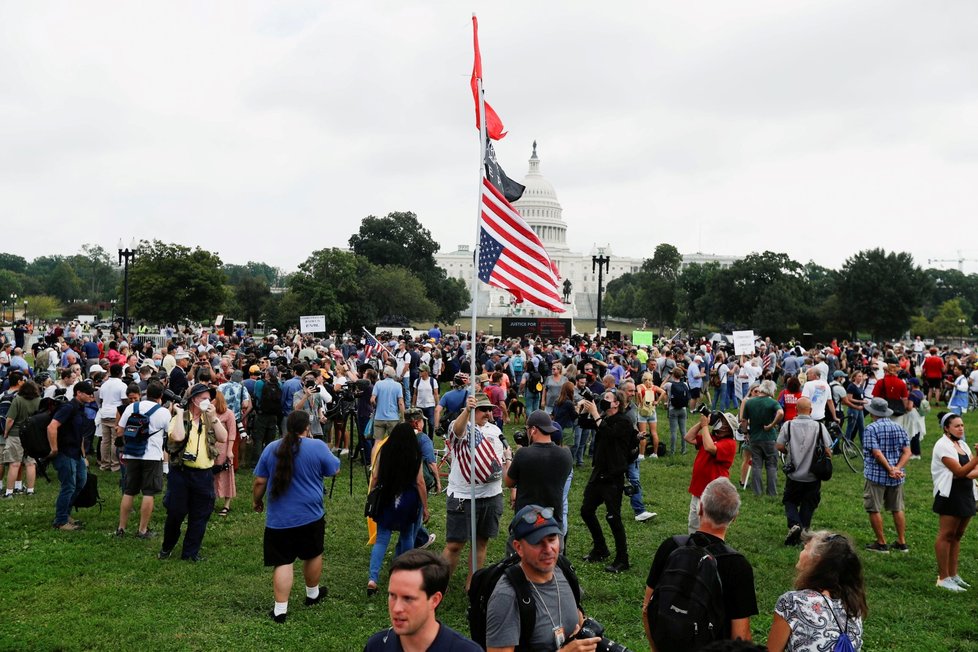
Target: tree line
<point x="875" y="293"/>
<point x="389" y="270"/>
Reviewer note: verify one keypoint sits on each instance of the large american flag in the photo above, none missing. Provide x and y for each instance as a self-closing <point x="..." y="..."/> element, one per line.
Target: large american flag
<point x="511" y="255"/>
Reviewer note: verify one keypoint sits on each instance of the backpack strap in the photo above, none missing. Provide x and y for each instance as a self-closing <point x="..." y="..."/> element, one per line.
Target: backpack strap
<point x="524" y="602"/>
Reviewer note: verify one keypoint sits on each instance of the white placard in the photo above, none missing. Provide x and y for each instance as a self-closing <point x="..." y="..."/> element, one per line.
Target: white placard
<point x="743" y="342"/>
<point x="312" y="324"/>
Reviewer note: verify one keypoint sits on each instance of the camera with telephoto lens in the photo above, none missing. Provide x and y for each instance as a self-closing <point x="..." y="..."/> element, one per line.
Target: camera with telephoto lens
<point x="521" y="438"/>
<point x="586" y="394"/>
<point x="310" y="384"/>
<point x="703" y="410"/>
<point x="629" y="490"/>
<point x="241" y="429"/>
<point x="170" y="397"/>
<point x="591" y="628"/>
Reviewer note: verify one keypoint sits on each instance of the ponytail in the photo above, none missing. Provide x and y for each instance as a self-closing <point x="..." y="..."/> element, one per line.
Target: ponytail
<point x="296" y="424"/>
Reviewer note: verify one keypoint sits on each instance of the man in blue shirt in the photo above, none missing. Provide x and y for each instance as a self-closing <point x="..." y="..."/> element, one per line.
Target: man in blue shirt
<point x="435" y="333"/>
<point x="387" y="398"/>
<point x="886" y="450"/>
<point x="289" y="389"/>
<point x="452" y="401"/>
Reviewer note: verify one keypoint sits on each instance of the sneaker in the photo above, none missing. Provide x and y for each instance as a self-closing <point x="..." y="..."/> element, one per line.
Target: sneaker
<point x="148" y="534"/>
<point x="597" y="555"/>
<point x="654" y="456"/>
<point x="318" y="598"/>
<point x="164" y="554"/>
<point x="641" y="458"/>
<point x="644" y="516"/>
<point x="18" y="492"/>
<point x="949" y="584"/>
<point x="794" y="536"/>
<point x="960" y="582"/>
<point x="878" y="547"/>
<point x="68" y="527"/>
<point x="617" y="567"/>
<point x="915" y="457"/>
<point x="194" y="558"/>
<point x="900" y="547"/>
<point x="431" y="540"/>
<point x="120" y="533"/>
<point x="6" y="496"/>
<point x="345" y="451"/>
<point x="280" y="619"/>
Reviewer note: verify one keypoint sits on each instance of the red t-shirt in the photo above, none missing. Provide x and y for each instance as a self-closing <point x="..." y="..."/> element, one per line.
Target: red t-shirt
<point x="933" y="367"/>
<point x="789" y="402"/>
<point x="891" y="388"/>
<point x="497" y="395"/>
<point x="707" y="468"/>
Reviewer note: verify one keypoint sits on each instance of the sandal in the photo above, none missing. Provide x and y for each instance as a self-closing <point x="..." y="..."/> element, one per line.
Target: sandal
<point x="224" y="511"/>
<point x="371" y="589"/>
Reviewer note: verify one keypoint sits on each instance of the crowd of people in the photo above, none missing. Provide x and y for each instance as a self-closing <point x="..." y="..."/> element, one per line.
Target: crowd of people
<point x="183" y="417"/>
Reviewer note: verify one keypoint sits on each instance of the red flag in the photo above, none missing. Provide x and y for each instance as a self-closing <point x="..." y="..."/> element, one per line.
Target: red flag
<point x="511" y="255"/>
<point x="494" y="126"/>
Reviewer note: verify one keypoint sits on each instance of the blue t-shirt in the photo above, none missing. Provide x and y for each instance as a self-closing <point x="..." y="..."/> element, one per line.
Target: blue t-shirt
<point x="289" y="389"/>
<point x="91" y="350"/>
<point x="453" y="401"/>
<point x="387" y="392"/>
<point x="302" y="503"/>
<point x="427" y="448"/>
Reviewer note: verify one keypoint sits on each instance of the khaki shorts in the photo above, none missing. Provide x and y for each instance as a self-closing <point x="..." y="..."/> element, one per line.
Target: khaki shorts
<point x="877" y="498"/>
<point x="13" y="452"/>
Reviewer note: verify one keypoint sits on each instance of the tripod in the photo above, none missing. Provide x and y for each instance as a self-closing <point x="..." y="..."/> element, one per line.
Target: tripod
<point x="359" y="451"/>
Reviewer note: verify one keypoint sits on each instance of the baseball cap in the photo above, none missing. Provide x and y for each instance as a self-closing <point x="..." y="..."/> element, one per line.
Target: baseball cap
<point x="532" y="523"/>
<point x="839" y="374"/>
<point x="254" y="369"/>
<point x="413" y="413"/>
<point x="85" y="387"/>
<point x="541" y="420"/>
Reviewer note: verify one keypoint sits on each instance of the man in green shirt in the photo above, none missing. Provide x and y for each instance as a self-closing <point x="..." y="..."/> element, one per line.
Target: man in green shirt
<point x="764" y="415"/>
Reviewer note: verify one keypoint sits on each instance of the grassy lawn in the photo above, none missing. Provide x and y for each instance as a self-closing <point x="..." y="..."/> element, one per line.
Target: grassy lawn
<point x="90" y="590"/>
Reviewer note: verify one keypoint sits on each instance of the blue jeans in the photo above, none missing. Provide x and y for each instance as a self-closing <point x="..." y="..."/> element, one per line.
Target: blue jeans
<point x="731" y="395"/>
<point x="429" y="415"/>
<point x="677" y="426"/>
<point x="532" y="401"/>
<point x="405" y="542"/>
<point x="72" y="474"/>
<point x="567" y="486"/>
<point x="638" y="504"/>
<point x="857" y="423"/>
<point x="581" y="438"/>
<point x="721" y="396"/>
<point x="406" y="384"/>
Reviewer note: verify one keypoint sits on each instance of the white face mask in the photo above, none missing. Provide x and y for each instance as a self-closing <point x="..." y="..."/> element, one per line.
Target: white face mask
<point x="204" y="405"/>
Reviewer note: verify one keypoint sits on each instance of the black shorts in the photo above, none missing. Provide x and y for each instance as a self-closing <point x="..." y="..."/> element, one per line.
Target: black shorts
<point x="694" y="392"/>
<point x="934" y="383"/>
<point x="143" y="477"/>
<point x="282" y="547"/>
<point x="488" y="511"/>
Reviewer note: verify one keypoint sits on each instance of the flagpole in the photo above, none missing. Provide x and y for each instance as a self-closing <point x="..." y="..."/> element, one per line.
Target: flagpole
<point x="475" y="303"/>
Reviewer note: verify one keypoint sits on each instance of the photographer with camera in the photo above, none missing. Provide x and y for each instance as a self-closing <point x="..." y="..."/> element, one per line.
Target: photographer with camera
<point x="716" y="450"/>
<point x="193" y="436"/>
<point x="613" y="442"/>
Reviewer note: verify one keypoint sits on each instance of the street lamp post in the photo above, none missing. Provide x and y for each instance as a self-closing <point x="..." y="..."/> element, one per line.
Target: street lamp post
<point x="13" y="307"/>
<point x="125" y="255"/>
<point x="601" y="262"/>
<point x="25" y="309"/>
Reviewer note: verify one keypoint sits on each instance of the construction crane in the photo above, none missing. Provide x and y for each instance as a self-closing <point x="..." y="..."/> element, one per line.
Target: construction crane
<point x="960" y="260"/>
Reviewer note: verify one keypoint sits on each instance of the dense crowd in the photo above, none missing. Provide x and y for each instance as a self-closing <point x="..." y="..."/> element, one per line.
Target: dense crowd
<point x="186" y="415"/>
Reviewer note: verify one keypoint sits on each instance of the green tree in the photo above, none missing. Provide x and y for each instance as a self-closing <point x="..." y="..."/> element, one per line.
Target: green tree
<point x="329" y="283"/>
<point x="13" y="263"/>
<point x="951" y="319"/>
<point x="251" y="296"/>
<point x="168" y="282"/>
<point x="97" y="274"/>
<point x="450" y="295"/>
<point x="42" y="306"/>
<point x="63" y="282"/>
<point x="237" y="273"/>
<point x="695" y="300"/>
<point x="881" y="291"/>
<point x="392" y="290"/>
<point x="659" y="291"/>
<point x="11" y="282"/>
<point x="397" y="239"/>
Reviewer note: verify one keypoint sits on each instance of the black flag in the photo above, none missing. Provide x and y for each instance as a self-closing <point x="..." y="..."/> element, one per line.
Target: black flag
<point x="510" y="189"/>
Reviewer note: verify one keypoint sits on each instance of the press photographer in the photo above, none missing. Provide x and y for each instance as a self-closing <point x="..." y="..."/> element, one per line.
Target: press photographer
<point x="716" y="450"/>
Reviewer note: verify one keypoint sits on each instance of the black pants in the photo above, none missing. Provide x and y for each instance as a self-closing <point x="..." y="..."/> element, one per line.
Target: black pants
<point x="610" y="494"/>
<point x="189" y="495"/>
<point x="263" y="432"/>
<point x="800" y="501"/>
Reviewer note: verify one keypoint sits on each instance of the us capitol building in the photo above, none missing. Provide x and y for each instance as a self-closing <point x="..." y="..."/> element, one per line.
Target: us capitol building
<point x="542" y="212"/>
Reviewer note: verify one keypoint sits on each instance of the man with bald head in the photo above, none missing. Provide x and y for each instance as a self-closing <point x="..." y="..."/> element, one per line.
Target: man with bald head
<point x="802" y="490"/>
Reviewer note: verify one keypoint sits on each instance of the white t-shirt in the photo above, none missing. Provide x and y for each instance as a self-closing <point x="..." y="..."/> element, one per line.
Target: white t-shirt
<point x="425" y="391"/>
<point x="458" y="486"/>
<point x="818" y="391"/>
<point x="112" y="392"/>
<point x="157" y="427"/>
<point x="974" y="380"/>
<point x="403" y="362"/>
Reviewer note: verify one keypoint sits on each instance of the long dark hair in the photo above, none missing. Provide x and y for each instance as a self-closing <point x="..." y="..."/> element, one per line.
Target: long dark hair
<point x="398" y="462"/>
<point x="295" y="425"/>
<point x="835" y="567"/>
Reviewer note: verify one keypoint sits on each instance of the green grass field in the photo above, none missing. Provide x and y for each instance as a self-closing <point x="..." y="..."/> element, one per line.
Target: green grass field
<point x="89" y="590"/>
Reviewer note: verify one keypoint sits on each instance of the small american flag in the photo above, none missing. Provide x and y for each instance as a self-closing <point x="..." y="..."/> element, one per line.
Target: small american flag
<point x="511" y="255"/>
<point x="370" y="344"/>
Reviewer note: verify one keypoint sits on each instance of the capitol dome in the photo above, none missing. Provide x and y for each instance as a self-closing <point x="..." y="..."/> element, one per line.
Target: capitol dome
<point x="541" y="209"/>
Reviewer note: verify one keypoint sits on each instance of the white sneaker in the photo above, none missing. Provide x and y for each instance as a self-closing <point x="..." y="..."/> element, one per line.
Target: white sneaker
<point x="960" y="582"/>
<point x="949" y="584"/>
<point x="654" y="456"/>
<point x="644" y="516"/>
<point x="431" y="540"/>
<point x="345" y="451"/>
<point x="915" y="457"/>
<point x="641" y="457"/>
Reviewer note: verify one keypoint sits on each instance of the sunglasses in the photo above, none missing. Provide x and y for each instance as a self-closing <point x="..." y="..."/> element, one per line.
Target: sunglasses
<point x="531" y="516"/>
<point x="483" y="409"/>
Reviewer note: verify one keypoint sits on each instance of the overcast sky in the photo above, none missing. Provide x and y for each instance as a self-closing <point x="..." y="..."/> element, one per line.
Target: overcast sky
<point x="266" y="130"/>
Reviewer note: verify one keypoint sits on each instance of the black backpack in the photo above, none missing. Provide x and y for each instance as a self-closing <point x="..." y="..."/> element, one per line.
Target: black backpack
<point x="34" y="432"/>
<point x="136" y="433"/>
<point x="678" y="394"/>
<point x="271" y="398"/>
<point x="687" y="610"/>
<point x="534" y="381"/>
<point x="5" y="400"/>
<point x="484" y="582"/>
<point x="89" y="495"/>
